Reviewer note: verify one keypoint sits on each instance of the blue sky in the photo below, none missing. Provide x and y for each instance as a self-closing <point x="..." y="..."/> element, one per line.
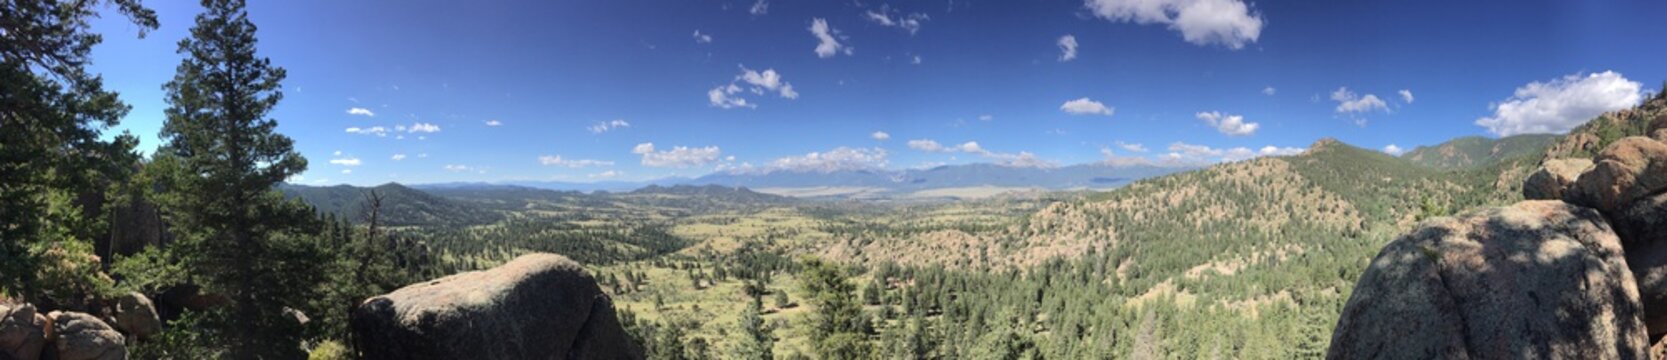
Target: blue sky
<point x="496" y="90"/>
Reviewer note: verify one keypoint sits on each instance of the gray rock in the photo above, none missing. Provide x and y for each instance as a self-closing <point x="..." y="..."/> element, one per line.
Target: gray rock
<point x="1643" y="231"/>
<point x="79" y="336"/>
<point x="22" y="331"/>
<point x="539" y="306"/>
<point x="1538" y="279"/>
<point x="1553" y="177"/>
<point x="136" y="316"/>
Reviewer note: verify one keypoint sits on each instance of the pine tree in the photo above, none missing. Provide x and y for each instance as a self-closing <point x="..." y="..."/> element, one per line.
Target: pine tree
<point x="756" y="343"/>
<point x="239" y="235"/>
<point x="52" y="112"/>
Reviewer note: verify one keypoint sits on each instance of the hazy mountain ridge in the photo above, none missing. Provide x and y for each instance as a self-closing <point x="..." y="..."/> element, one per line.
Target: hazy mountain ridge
<point x="1479" y="151"/>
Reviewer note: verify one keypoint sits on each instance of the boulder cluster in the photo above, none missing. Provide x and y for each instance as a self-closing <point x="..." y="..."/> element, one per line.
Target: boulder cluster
<point x="27" y="334"/>
<point x="1578" y="270"/>
<point x="538" y="306"/>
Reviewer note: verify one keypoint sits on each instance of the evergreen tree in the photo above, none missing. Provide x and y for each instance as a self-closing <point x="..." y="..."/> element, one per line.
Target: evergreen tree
<point x="838" y="329"/>
<point x="238" y="234"/>
<point x="756" y="343"/>
<point x="52" y="157"/>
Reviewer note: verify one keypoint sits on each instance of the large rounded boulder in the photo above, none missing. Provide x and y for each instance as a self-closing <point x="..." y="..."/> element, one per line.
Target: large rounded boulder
<point x="22" y="331"/>
<point x="1553" y="176"/>
<point x="1628" y="170"/>
<point x="1538" y="279"/>
<point x="136" y="316"/>
<point x="538" y="306"/>
<point x="79" y="336"/>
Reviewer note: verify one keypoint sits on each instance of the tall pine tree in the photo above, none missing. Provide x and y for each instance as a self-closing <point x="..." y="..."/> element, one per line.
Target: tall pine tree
<point x="238" y="234"/>
<point x="52" y="113"/>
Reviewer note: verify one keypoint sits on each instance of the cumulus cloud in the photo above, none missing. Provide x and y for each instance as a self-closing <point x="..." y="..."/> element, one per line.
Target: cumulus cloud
<point x="701" y="38"/>
<point x="925" y="145"/>
<point x="424" y="128"/>
<point x="1134" y="147"/>
<point x="759" y="7"/>
<point x="1229" y="23"/>
<point x="1561" y="104"/>
<point x="605" y="126"/>
<point x="678" y="157"/>
<point x="828" y="39"/>
<point x="1349" y="102"/>
<point x="1231" y="125"/>
<point x="729" y="96"/>
<point x="1391" y="149"/>
<point x="360" y="111"/>
<point x="1086" y="106"/>
<point x="1067" y="47"/>
<point x="838" y="159"/>
<point x="1180" y="152"/>
<point x="880" y="135"/>
<point x="1406" y="95"/>
<point x="889" y="17"/>
<point x="557" y="160"/>
<point x="346" y="161"/>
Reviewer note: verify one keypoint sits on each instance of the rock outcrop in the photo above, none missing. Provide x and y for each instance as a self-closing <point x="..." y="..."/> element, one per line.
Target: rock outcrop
<point x="1539" y="279"/>
<point x="136" y="316"/>
<point x="1630" y="169"/>
<point x="539" y="306"/>
<point x="79" y="336"/>
<point x="1553" y="176"/>
<point x="22" y="332"/>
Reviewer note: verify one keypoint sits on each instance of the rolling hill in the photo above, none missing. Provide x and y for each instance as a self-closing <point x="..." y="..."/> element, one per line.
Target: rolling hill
<point x="1472" y="151"/>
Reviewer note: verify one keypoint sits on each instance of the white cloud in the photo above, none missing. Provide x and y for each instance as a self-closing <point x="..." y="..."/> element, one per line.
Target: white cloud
<point x="557" y="160"/>
<point x="360" y="111"/>
<point x="724" y="97"/>
<point x="1067" y="48"/>
<point x="347" y="171"/>
<point x="424" y="128"/>
<point x="1391" y="149"/>
<point x="828" y="38"/>
<point x="605" y="126"/>
<point x="455" y="168"/>
<point x="494" y="123"/>
<point x="729" y="96"/>
<point x="1180" y="152"/>
<point x="1561" y="104"/>
<point x="1406" y="95"/>
<point x="398" y="157"/>
<point x="839" y="159"/>
<point x="1349" y="102"/>
<point x="759" y="7"/>
<point x="679" y="157"/>
<point x="767" y="80"/>
<point x="1085" y="106"/>
<point x="1229" y="23"/>
<point x="880" y="135"/>
<point x="1135" y="147"/>
<point x="702" y="38"/>
<point x="606" y="174"/>
<point x="915" y="60"/>
<point x="374" y="130"/>
<point x="884" y="17"/>
<point x="346" y="161"/>
<point x="986" y="117"/>
<point x="1269" y="91"/>
<point x="925" y="145"/>
<point x="1231" y="125"/>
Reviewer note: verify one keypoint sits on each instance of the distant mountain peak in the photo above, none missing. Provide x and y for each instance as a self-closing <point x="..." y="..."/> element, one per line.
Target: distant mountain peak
<point x="1324" y="144"/>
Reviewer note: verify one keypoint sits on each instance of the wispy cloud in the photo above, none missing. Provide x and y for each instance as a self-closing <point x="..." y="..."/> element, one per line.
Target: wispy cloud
<point x="360" y="111"/>
<point x="557" y="160"/>
<point x="828" y="39"/>
<point x="346" y="161"/>
<point x="701" y="38"/>
<point x="1067" y="48"/>
<point x="605" y="126"/>
<point x="891" y="18"/>
<point x="494" y="123"/>
<point x="1406" y="96"/>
